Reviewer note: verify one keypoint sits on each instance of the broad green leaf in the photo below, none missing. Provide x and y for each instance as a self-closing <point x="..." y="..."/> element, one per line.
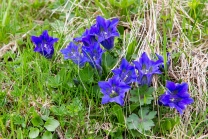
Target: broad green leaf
<point x="108" y="61"/>
<point x="20" y="134"/>
<point x="47" y="135"/>
<point x="51" y="124"/>
<point x="131" y="49"/>
<point x="86" y="74"/>
<point x="119" y="114"/>
<point x="37" y="121"/>
<point x="34" y="132"/>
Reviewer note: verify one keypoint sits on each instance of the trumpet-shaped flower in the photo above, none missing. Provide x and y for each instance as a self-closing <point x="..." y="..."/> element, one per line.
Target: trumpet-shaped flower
<point x="93" y="55"/>
<point x="113" y="90"/>
<point x="74" y="52"/>
<point x="44" y="44"/>
<point x="126" y="72"/>
<point x="105" y="31"/>
<point x="146" y="68"/>
<point x="176" y="96"/>
<point x="87" y="38"/>
<point x="161" y="59"/>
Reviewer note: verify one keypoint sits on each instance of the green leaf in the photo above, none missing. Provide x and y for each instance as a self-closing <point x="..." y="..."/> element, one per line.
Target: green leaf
<point x="122" y="3"/>
<point x="20" y="134"/>
<point x="119" y="114"/>
<point x="86" y="74"/>
<point x="143" y="95"/>
<point x="47" y="135"/>
<point x="75" y="107"/>
<point x="168" y="124"/>
<point x="37" y="121"/>
<point x="108" y="61"/>
<point x="18" y="119"/>
<point x="103" y="9"/>
<point x="51" y="124"/>
<point x="132" y="121"/>
<point x="142" y="122"/>
<point x="34" y="132"/>
<point x="54" y="81"/>
<point x="131" y="49"/>
<point x="134" y="106"/>
<point x="61" y="111"/>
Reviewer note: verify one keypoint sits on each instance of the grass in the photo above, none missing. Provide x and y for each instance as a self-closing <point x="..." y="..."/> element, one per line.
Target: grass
<point x="34" y="88"/>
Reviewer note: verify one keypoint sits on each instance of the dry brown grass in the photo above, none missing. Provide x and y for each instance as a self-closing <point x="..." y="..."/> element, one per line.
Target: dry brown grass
<point x="193" y="60"/>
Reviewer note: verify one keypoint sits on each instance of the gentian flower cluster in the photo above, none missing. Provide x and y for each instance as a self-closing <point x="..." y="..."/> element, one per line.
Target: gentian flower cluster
<point x="141" y="72"/>
<point x="102" y="32"/>
<point x="87" y="48"/>
<point x="176" y="96"/>
<point x="44" y="44"/>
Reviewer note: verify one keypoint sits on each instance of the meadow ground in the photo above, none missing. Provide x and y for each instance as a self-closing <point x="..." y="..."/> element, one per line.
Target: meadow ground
<point x="53" y="98"/>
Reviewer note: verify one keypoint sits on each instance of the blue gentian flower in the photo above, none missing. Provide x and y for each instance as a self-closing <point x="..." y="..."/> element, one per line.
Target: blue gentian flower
<point x="126" y="72"/>
<point x="44" y="44"/>
<point x="146" y="68"/>
<point x="105" y="31"/>
<point x="113" y="90"/>
<point x="176" y="96"/>
<point x="74" y="52"/>
<point x="93" y="55"/>
<point x="161" y="59"/>
<point x="145" y="79"/>
<point x="87" y="38"/>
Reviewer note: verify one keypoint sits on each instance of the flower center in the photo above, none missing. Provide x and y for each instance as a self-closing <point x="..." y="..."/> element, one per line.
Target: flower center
<point x="45" y="46"/>
<point x="146" y="71"/>
<point x="175" y="99"/>
<point x="113" y="94"/>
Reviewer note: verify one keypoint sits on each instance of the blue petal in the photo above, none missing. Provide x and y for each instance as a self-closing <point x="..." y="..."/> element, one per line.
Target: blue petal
<point x="105" y="87"/>
<point x="114" y="22"/>
<point x="36" y="40"/>
<point x="144" y="59"/>
<point x="179" y="109"/>
<point x="164" y="99"/>
<point x="118" y="99"/>
<point x="183" y="90"/>
<point x="108" y="43"/>
<point x="124" y="64"/>
<point x="170" y="85"/>
<point x="105" y="99"/>
<point x="187" y="101"/>
<point x="101" y="23"/>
